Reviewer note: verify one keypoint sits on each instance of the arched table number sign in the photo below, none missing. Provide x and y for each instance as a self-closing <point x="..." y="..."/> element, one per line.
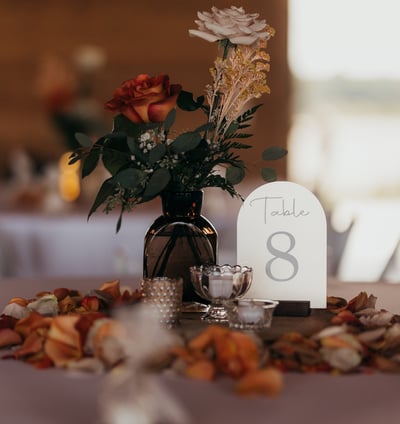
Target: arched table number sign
<point x="281" y="234"/>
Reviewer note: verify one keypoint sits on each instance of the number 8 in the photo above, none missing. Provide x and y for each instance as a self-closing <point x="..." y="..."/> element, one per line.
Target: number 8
<point x="279" y="254"/>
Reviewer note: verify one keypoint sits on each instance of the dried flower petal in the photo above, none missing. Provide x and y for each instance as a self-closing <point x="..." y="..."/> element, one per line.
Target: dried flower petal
<point x="45" y="305"/>
<point x="9" y="337"/>
<point x="201" y="370"/>
<point x="16" y="310"/>
<point x="63" y="343"/>
<point x="344" y="358"/>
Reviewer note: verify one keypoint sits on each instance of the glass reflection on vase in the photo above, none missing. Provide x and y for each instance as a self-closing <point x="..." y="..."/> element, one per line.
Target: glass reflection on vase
<point x="178" y="239"/>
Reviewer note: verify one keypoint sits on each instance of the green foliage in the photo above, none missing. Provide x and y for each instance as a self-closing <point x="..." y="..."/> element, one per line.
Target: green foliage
<point x="186" y="142"/>
<point x="274" y="153"/>
<point x="268" y="174"/>
<point x="144" y="160"/>
<point x="186" y="101"/>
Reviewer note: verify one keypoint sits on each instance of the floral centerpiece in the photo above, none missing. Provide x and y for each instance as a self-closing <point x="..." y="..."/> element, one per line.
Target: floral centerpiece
<point x="143" y="154"/>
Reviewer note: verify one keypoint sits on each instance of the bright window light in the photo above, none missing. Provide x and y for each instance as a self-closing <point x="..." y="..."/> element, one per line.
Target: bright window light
<point x="346" y="38"/>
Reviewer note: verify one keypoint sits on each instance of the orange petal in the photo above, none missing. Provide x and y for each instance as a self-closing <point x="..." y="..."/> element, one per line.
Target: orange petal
<point x="33" y="321"/>
<point x="61" y="292"/>
<point x="61" y="353"/>
<point x="201" y="370"/>
<point x="112" y="288"/>
<point x="66" y="304"/>
<point x="9" y="337"/>
<point x="91" y="303"/>
<point x="63" y="328"/>
<point x="32" y="345"/>
<point x="19" y="301"/>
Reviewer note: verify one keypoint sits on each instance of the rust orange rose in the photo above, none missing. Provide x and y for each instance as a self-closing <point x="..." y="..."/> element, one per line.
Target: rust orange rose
<point x="145" y="98"/>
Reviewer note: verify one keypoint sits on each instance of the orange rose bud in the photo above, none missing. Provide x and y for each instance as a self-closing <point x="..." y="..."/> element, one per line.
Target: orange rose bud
<point x="145" y="98"/>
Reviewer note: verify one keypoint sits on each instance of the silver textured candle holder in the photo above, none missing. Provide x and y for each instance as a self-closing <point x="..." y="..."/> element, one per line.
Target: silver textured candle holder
<point x="165" y="295"/>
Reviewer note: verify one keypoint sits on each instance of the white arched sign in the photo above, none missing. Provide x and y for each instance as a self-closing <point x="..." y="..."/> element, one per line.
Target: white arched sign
<point x="281" y="234"/>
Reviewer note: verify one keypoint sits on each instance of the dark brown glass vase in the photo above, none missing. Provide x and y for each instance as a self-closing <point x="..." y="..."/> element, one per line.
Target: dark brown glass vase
<point x="178" y="239"/>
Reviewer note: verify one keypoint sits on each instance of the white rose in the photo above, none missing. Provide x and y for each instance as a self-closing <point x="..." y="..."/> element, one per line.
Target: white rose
<point x="232" y="24"/>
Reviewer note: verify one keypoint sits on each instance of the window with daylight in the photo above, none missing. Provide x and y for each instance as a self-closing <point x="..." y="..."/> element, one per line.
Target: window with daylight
<point x="345" y="138"/>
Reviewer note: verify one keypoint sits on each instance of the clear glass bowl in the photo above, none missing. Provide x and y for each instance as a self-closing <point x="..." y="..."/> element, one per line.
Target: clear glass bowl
<point x="218" y="283"/>
<point x="250" y="314"/>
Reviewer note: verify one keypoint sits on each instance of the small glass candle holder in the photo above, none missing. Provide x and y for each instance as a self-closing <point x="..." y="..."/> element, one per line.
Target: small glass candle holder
<point x="250" y="314"/>
<point x="217" y="283"/>
<point x="165" y="295"/>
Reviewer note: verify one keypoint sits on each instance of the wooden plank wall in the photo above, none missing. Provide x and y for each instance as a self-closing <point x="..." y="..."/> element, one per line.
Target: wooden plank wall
<point x="137" y="37"/>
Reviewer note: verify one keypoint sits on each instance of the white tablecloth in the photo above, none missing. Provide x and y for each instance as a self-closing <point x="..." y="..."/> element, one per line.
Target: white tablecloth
<point x="68" y="245"/>
<point x="29" y="396"/>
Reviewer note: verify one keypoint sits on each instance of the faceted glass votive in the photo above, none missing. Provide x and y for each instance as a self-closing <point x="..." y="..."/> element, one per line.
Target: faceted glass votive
<point x="250" y="314"/>
<point x="165" y="295"/>
<point x="217" y="283"/>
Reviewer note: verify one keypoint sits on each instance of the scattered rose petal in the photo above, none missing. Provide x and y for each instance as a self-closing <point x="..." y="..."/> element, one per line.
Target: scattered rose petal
<point x="201" y="370"/>
<point x="16" y="310"/>
<point x="9" y="337"/>
<point x="45" y="305"/>
<point x="25" y="326"/>
<point x="344" y="358"/>
<point x="379" y="319"/>
<point x="63" y="343"/>
<point x="112" y="288"/>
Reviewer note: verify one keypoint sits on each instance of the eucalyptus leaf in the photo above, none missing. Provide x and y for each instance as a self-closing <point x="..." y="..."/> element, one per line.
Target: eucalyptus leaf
<point x="234" y="174"/>
<point x="199" y="153"/>
<point x="205" y="127"/>
<point x="129" y="178"/>
<point x="170" y="120"/>
<point x="90" y="162"/>
<point x="83" y="139"/>
<point x="274" y="153"/>
<point x="157" y="182"/>
<point x="114" y="160"/>
<point x="123" y="125"/>
<point x="157" y="153"/>
<point x="106" y="190"/>
<point x="268" y="174"/>
<point x="186" y="142"/>
<point x="186" y="101"/>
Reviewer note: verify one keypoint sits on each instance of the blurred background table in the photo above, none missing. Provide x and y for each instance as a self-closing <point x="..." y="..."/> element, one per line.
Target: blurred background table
<point x="43" y="245"/>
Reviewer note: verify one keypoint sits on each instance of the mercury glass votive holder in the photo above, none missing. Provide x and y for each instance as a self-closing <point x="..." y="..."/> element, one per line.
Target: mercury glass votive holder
<point x="217" y="283"/>
<point x="165" y="295"/>
<point x="250" y="314"/>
